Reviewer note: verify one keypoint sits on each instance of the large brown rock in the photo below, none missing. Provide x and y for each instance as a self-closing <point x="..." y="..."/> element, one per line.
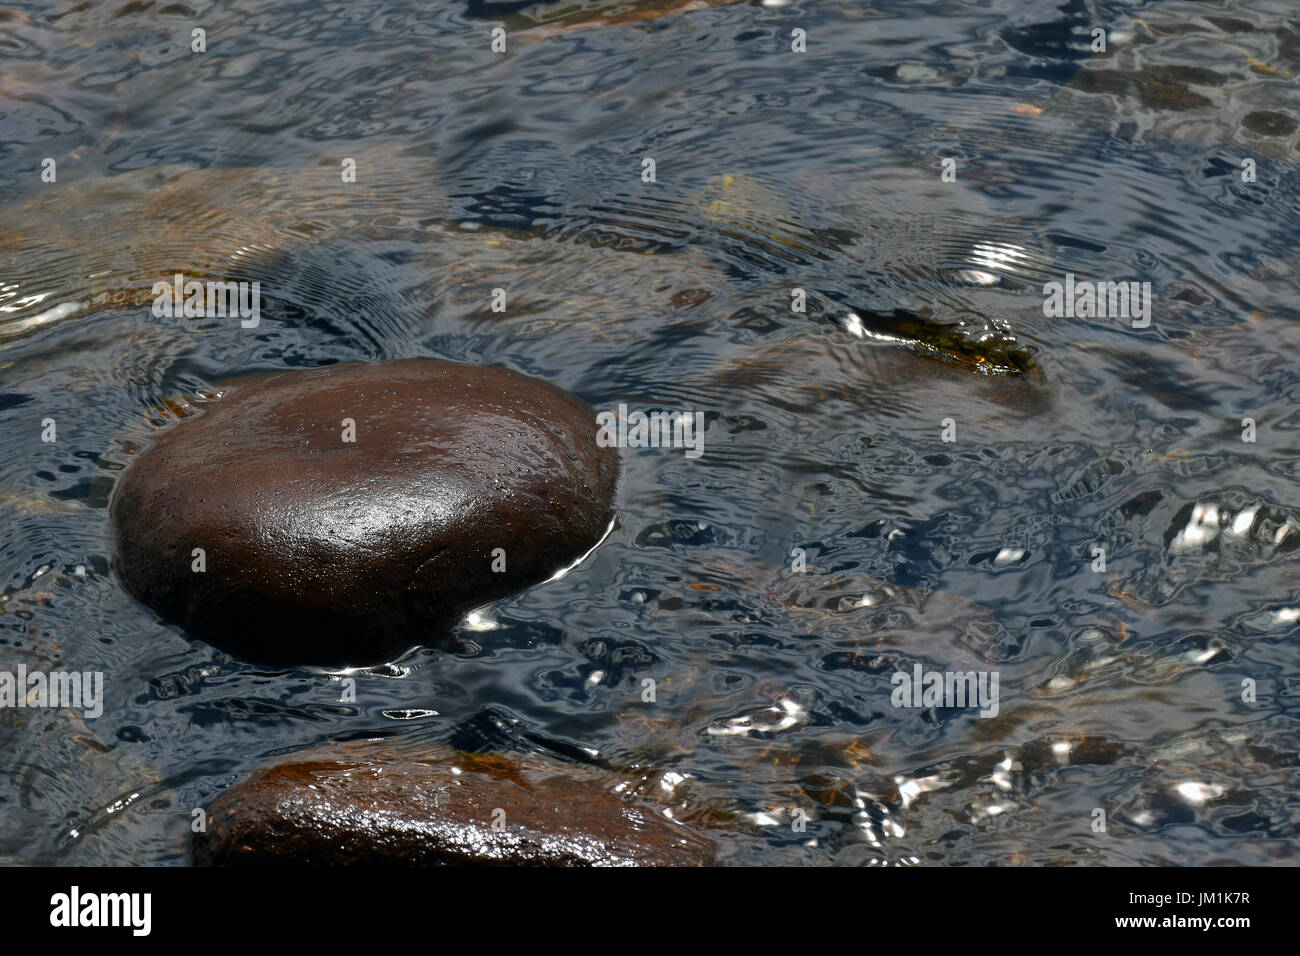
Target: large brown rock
<point x="323" y="551"/>
<point x="372" y="803"/>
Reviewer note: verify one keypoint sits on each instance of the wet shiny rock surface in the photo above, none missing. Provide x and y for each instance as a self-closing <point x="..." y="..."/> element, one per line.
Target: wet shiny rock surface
<point x="372" y="803"/>
<point x="345" y="512"/>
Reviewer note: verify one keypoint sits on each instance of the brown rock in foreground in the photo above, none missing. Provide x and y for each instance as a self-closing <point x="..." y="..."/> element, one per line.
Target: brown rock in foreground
<point x="320" y="550"/>
<point x="379" y="804"/>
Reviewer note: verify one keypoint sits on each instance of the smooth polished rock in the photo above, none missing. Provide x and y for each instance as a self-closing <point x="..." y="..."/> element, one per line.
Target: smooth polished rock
<point x="340" y="516"/>
<point x="378" y="803"/>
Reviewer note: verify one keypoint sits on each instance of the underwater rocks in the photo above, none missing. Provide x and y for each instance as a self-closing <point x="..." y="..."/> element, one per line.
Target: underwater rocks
<point x="372" y="803"/>
<point x="541" y="22"/>
<point x="341" y="515"/>
<point x="108" y="240"/>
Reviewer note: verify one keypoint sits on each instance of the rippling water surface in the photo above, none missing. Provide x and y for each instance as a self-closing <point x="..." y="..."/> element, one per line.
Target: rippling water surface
<point x="1120" y="689"/>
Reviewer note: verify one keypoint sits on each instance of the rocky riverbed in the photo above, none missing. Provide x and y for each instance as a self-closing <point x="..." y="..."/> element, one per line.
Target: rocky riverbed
<point x="362" y="584"/>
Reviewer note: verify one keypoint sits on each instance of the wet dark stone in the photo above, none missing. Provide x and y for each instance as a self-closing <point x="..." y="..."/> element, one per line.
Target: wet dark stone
<point x="321" y="551"/>
<point x="377" y="803"/>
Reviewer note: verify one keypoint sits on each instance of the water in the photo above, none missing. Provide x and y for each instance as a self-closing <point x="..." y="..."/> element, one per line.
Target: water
<point x="1120" y="691"/>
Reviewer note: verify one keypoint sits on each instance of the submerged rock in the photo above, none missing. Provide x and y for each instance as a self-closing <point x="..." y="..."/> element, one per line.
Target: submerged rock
<point x="73" y="794"/>
<point x="106" y="240"/>
<point x="342" y="515"/>
<point x="542" y="21"/>
<point x="373" y="803"/>
<point x="1201" y="80"/>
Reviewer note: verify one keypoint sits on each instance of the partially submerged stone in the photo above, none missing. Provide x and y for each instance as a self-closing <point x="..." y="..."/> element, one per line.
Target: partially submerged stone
<point x="341" y="515"/>
<point x="372" y="803"/>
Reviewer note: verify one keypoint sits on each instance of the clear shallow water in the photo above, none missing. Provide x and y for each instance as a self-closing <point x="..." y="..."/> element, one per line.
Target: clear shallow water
<point x="775" y="170"/>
